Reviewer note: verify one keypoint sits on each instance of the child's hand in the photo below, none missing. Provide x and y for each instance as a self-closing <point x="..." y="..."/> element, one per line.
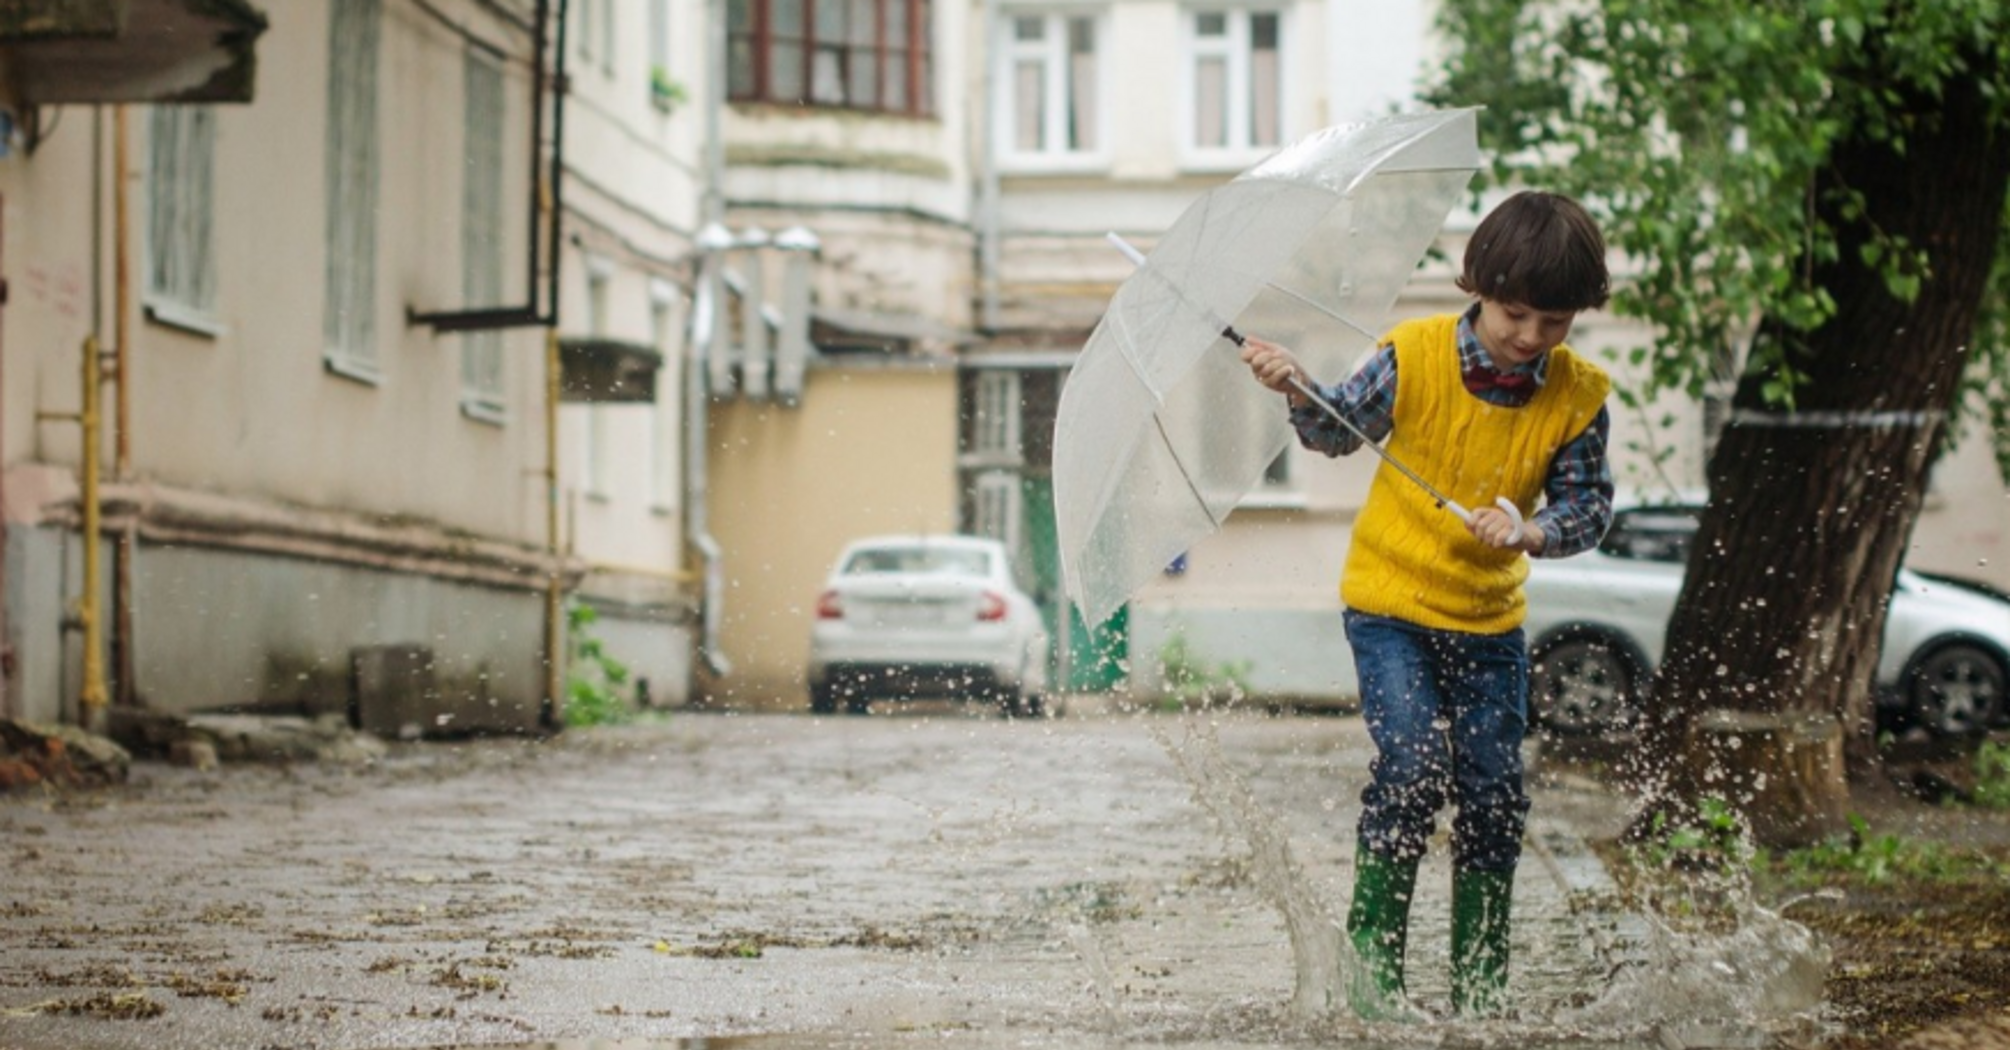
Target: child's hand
<point x="1272" y="365"/>
<point x="1493" y="527"/>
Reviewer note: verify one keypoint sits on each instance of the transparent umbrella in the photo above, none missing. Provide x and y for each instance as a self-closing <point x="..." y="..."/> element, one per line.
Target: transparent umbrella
<point x="1161" y="431"/>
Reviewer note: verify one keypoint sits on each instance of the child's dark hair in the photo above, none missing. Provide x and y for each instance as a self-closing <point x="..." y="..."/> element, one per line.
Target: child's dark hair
<point x="1540" y="250"/>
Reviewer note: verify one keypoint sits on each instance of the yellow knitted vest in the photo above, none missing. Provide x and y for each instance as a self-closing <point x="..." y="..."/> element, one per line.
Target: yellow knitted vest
<point x="1412" y="560"/>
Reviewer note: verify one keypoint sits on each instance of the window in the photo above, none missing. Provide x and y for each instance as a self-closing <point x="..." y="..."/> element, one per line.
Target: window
<point x="598" y="450"/>
<point x="1235" y="82"/>
<point x="481" y="233"/>
<point x="851" y="54"/>
<point x="666" y="412"/>
<point x="1662" y="534"/>
<point x="181" y="205"/>
<point x="995" y="432"/>
<point x="607" y="37"/>
<point x="1050" y="106"/>
<point x="998" y="507"/>
<point x="349" y="327"/>
<point x="661" y="91"/>
<point x="995" y="442"/>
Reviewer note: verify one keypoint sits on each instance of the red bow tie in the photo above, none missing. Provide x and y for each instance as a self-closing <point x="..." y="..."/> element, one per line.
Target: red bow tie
<point x="1481" y="380"/>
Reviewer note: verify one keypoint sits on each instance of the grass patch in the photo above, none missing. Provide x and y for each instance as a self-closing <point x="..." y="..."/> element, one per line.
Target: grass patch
<point x="1880" y="859"/>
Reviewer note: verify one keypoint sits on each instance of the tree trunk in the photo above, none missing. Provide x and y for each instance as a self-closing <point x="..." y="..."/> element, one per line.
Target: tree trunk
<point x="1780" y="619"/>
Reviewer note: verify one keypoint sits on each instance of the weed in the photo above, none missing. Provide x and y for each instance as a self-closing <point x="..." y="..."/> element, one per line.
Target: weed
<point x="1714" y="840"/>
<point x="1877" y="859"/>
<point x="1693" y="873"/>
<point x="1189" y="678"/>
<point x="1992" y="776"/>
<point x="594" y="679"/>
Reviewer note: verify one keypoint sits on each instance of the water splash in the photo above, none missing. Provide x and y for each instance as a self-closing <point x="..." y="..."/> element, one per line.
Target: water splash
<point x="1713" y="967"/>
<point x="1105" y="981"/>
<point x="1743" y="978"/>
<point x="1323" y="964"/>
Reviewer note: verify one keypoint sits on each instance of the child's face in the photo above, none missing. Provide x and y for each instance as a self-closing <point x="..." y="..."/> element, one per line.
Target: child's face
<point x="1513" y="334"/>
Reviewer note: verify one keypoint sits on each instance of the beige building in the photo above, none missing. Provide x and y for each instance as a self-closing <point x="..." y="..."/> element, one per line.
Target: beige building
<point x="324" y="297"/>
<point x="850" y="133"/>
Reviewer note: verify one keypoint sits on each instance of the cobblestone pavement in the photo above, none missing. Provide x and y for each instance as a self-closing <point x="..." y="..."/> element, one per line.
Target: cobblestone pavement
<point x="927" y="877"/>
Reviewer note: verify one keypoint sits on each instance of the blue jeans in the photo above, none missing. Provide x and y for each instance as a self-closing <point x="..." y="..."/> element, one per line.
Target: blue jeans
<point x="1447" y="712"/>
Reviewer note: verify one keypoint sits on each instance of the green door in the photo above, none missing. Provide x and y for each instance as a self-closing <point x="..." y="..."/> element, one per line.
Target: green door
<point x="1098" y="659"/>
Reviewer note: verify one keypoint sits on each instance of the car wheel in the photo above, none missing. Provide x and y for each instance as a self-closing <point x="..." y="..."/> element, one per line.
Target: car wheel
<point x="1581" y="686"/>
<point x="823" y="698"/>
<point x="1957" y="689"/>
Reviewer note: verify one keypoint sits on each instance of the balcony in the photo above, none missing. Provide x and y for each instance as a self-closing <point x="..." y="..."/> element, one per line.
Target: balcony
<point x="88" y="51"/>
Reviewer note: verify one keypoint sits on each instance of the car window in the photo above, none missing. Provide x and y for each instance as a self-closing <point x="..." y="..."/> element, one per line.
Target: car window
<point x="1660" y="534"/>
<point x="945" y="560"/>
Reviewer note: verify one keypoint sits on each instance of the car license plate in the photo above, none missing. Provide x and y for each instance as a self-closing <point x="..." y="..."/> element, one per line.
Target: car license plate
<point x="909" y="614"/>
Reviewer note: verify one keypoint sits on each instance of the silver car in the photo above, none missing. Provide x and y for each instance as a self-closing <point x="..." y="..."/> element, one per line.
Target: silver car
<point x="1596" y="624"/>
<point x="926" y="616"/>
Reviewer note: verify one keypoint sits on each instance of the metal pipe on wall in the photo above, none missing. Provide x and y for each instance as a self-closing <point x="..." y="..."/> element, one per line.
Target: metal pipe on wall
<point x="122" y="448"/>
<point x="553" y="715"/>
<point x="6" y="637"/>
<point x="989" y="250"/>
<point x="706" y="323"/>
<point x="91" y="691"/>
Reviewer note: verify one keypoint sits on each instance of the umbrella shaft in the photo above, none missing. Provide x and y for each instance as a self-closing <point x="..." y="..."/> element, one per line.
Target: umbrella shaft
<point x="1330" y="410"/>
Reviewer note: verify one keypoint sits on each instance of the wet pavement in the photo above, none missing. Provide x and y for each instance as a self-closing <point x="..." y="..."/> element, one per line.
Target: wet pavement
<point x="765" y="882"/>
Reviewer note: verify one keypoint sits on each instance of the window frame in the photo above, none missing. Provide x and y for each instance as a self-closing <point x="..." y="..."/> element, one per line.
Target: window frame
<point x="181" y="219"/>
<point x="996" y="496"/>
<point x="667" y="412"/>
<point x="355" y="173"/>
<point x="1241" y="149"/>
<point x="660" y="48"/>
<point x="752" y="44"/>
<point x="484" y="380"/>
<point x="597" y="450"/>
<point x="995" y="428"/>
<point x="1054" y="53"/>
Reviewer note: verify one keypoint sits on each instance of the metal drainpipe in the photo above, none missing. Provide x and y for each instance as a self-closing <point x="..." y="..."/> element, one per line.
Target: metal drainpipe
<point x="714" y="209"/>
<point x="122" y="451"/>
<point x="697" y="440"/>
<point x="697" y="449"/>
<point x="988" y="189"/>
<point x="91" y="693"/>
<point x="6" y="638"/>
<point x="553" y="715"/>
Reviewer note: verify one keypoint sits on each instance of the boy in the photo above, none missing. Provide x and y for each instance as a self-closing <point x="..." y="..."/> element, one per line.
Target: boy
<point x="1480" y="404"/>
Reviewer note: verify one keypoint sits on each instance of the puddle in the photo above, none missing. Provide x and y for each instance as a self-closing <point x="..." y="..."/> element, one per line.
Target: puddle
<point x="1581" y="970"/>
<point x="802" y="884"/>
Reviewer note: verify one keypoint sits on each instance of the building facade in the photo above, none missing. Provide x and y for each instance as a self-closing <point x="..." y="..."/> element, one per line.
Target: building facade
<point x="331" y="299"/>
<point x="428" y="330"/>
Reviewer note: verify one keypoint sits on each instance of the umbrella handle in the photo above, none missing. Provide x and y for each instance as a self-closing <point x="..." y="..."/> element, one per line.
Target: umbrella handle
<point x="1506" y="505"/>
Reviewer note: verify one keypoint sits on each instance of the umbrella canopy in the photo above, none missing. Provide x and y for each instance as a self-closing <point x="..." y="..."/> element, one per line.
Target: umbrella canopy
<point x="1161" y="432"/>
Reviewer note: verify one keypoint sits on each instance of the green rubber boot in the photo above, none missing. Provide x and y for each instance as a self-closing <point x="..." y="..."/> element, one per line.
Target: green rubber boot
<point x="1480" y="903"/>
<point x="1378" y="927"/>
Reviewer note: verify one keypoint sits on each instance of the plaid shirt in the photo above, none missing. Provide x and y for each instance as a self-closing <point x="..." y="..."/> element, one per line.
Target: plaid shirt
<point x="1579" y="484"/>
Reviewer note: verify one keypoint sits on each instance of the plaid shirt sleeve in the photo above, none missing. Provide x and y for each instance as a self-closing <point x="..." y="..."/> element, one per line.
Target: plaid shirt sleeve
<point x="1579" y="491"/>
<point x="1368" y="400"/>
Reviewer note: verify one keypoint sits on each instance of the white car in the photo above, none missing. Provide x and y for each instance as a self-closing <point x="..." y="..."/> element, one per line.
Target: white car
<point x="926" y="616"/>
<point x="1596" y="624"/>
